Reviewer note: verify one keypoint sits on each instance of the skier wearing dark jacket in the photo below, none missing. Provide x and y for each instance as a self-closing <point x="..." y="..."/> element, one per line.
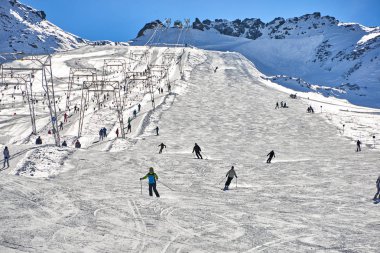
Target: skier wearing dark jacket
<point x="162" y="145"/>
<point x="271" y="155"/>
<point x="6" y="156"/>
<point x="152" y="179"/>
<point x="197" y="151"/>
<point x="377" y="195"/>
<point x="230" y="175"/>
<point x="358" y="143"/>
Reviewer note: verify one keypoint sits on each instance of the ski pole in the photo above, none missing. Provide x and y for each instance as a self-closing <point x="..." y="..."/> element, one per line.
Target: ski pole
<point x="236" y="183"/>
<point x="166" y="186"/>
<point x="141" y="186"/>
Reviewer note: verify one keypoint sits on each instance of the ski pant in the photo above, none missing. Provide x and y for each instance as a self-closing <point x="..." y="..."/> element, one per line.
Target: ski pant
<point x="358" y="149"/>
<point x="198" y="154"/>
<point x="160" y="150"/>
<point x="228" y="182"/>
<point x="6" y="160"/>
<point x="377" y="195"/>
<point x="269" y="159"/>
<point x="153" y="187"/>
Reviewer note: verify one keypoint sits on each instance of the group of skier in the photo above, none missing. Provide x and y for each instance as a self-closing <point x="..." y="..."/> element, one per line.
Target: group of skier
<point x="102" y="133"/>
<point x="282" y="104"/>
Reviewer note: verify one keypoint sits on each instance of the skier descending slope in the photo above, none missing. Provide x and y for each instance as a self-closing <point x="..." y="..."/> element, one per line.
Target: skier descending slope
<point x="162" y="145"/>
<point x="230" y="175"/>
<point x="152" y="179"/>
<point x="377" y="195"/>
<point x="197" y="150"/>
<point x="271" y="155"/>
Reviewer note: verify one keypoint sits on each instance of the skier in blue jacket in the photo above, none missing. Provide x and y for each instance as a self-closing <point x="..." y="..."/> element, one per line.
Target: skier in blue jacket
<point x="152" y="179"/>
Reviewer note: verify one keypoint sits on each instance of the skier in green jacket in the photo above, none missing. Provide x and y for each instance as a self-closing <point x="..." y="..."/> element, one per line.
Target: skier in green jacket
<point x="152" y="179"/>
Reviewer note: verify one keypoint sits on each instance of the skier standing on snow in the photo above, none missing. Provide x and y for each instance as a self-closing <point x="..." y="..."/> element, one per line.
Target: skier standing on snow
<point x="77" y="144"/>
<point x="377" y="195"/>
<point x="129" y="128"/>
<point x="157" y="129"/>
<point x="101" y="134"/>
<point x="139" y="107"/>
<point x="65" y="117"/>
<point x="271" y="155"/>
<point x="104" y="132"/>
<point x="230" y="175"/>
<point x="197" y="150"/>
<point x="61" y="126"/>
<point x="117" y="133"/>
<point x="134" y="113"/>
<point x="162" y="145"/>
<point x="277" y="106"/>
<point x="6" y="156"/>
<point x="358" y="143"/>
<point x="152" y="179"/>
<point x="39" y="140"/>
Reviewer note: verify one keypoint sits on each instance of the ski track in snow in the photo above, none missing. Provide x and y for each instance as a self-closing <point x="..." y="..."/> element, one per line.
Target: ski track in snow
<point x="314" y="197"/>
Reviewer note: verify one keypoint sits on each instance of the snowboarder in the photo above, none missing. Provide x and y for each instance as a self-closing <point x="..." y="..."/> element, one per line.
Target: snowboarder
<point x="277" y="106"/>
<point x="162" y="145"/>
<point x="157" y="129"/>
<point x="230" y="175"/>
<point x="117" y="133"/>
<point x="64" y="144"/>
<point x="271" y="155"/>
<point x="77" y="144"/>
<point x="65" y="117"/>
<point x="139" y="107"/>
<point x="129" y="128"/>
<point x="6" y="156"/>
<point x="377" y="195"/>
<point x="61" y="126"/>
<point x="39" y="140"/>
<point x="152" y="179"/>
<point x="358" y="143"/>
<point x="197" y="150"/>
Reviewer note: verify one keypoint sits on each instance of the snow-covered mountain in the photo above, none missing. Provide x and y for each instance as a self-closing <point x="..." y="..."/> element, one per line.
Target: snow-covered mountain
<point x="311" y="52"/>
<point x="24" y="29"/>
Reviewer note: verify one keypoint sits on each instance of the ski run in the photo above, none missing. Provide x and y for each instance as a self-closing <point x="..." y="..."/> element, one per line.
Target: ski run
<point x="314" y="196"/>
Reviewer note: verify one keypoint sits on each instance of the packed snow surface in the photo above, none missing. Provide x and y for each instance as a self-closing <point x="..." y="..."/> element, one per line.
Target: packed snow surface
<point x="314" y="197"/>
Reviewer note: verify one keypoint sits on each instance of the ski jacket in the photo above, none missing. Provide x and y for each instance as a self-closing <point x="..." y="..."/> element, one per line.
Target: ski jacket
<point x="197" y="149"/>
<point x="6" y="153"/>
<point x="231" y="173"/>
<point x="152" y="177"/>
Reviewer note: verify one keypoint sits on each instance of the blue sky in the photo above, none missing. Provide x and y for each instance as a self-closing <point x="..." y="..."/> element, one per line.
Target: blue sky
<point x="120" y="20"/>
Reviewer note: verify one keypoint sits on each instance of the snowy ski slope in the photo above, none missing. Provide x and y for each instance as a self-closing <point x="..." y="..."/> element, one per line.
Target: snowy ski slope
<point x="314" y="197"/>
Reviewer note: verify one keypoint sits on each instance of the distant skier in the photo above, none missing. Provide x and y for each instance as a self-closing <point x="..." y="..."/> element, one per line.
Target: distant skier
<point x="117" y="133"/>
<point x="65" y="117"/>
<point x="169" y="88"/>
<point x="139" y="107"/>
<point x="197" y="151"/>
<point x="61" y="126"/>
<point x="104" y="132"/>
<point x="271" y="155"/>
<point x="157" y="129"/>
<point x="39" y="140"/>
<point x="277" y="106"/>
<point x="101" y="134"/>
<point x="129" y="127"/>
<point x="6" y="156"/>
<point x="77" y="144"/>
<point x="230" y="175"/>
<point x="75" y="108"/>
<point x="358" y="143"/>
<point x="215" y="69"/>
<point x="377" y="195"/>
<point x="64" y="144"/>
<point x="162" y="145"/>
<point x="152" y="180"/>
<point x="282" y="104"/>
<point x="134" y="113"/>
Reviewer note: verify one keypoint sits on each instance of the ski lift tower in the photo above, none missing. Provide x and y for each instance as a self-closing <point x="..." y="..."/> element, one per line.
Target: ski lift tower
<point x="22" y="80"/>
<point x="43" y="65"/>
